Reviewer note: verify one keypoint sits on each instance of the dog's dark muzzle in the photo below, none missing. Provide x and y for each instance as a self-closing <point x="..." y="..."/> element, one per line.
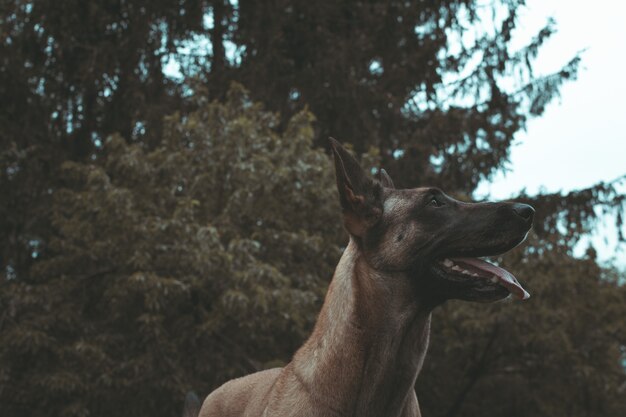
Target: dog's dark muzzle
<point x="481" y="229"/>
<point x="485" y="229"/>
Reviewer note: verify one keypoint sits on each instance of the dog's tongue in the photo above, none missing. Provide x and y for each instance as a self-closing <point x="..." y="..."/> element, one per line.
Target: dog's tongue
<point x="505" y="278"/>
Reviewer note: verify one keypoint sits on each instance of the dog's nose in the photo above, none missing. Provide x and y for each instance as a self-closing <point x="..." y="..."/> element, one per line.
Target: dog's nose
<point x="525" y="211"/>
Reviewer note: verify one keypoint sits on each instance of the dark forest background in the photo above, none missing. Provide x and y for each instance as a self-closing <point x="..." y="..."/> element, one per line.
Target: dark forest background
<point x="164" y="233"/>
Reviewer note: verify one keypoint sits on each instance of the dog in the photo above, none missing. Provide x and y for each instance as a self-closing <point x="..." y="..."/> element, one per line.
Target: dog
<point x="410" y="250"/>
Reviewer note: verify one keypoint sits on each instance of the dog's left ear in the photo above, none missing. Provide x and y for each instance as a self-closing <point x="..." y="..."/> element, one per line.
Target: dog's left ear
<point x="360" y="196"/>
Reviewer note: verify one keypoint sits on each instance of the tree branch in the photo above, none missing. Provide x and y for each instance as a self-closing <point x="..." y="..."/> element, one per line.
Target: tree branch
<point x="474" y="375"/>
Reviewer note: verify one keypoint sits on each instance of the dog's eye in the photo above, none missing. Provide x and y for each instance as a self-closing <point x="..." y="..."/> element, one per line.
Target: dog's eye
<point x="435" y="203"/>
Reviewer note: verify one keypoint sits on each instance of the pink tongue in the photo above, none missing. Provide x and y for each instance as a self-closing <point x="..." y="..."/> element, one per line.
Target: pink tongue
<point x="505" y="278"/>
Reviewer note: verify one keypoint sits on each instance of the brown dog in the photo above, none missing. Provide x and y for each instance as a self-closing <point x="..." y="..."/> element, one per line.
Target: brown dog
<point x="409" y="251"/>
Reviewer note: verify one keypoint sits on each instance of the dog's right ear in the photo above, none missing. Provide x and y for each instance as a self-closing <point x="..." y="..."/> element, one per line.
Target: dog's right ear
<point x="360" y="196"/>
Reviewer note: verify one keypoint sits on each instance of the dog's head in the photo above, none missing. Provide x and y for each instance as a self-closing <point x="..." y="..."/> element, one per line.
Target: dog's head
<point x="432" y="237"/>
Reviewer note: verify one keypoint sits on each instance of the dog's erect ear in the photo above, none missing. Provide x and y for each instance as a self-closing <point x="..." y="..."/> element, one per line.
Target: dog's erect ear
<point x="385" y="179"/>
<point x="360" y="196"/>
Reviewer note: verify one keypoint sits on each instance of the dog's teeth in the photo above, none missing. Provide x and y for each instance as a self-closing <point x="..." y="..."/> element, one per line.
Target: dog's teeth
<point x="474" y="274"/>
<point x="447" y="262"/>
<point x="494" y="279"/>
<point x="457" y="268"/>
<point x="466" y="272"/>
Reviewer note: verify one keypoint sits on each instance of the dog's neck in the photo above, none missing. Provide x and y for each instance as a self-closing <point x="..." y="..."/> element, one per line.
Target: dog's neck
<point x="368" y="344"/>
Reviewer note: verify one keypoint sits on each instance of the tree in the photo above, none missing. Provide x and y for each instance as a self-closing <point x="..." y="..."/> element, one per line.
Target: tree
<point x="189" y="249"/>
<point x="381" y="74"/>
<point x="420" y="81"/>
<point x="174" y="268"/>
<point x="72" y="73"/>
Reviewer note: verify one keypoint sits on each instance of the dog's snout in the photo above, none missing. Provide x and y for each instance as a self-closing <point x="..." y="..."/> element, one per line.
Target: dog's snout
<point x="525" y="211"/>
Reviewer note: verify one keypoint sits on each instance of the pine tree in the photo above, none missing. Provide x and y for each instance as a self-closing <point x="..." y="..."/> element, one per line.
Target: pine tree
<point x="143" y="255"/>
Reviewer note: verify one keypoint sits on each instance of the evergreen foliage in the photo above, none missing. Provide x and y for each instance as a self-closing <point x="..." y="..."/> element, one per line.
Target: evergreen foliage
<point x="174" y="268"/>
<point x="142" y="256"/>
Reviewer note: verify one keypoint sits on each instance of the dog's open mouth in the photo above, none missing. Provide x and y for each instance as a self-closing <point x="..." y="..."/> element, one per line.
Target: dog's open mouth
<point x="488" y="273"/>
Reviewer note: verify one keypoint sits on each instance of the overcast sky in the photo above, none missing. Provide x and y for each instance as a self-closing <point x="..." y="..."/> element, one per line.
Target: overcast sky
<point x="581" y="138"/>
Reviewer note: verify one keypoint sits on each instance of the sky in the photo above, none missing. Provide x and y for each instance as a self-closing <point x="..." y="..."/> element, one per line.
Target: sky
<point x="581" y="138"/>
